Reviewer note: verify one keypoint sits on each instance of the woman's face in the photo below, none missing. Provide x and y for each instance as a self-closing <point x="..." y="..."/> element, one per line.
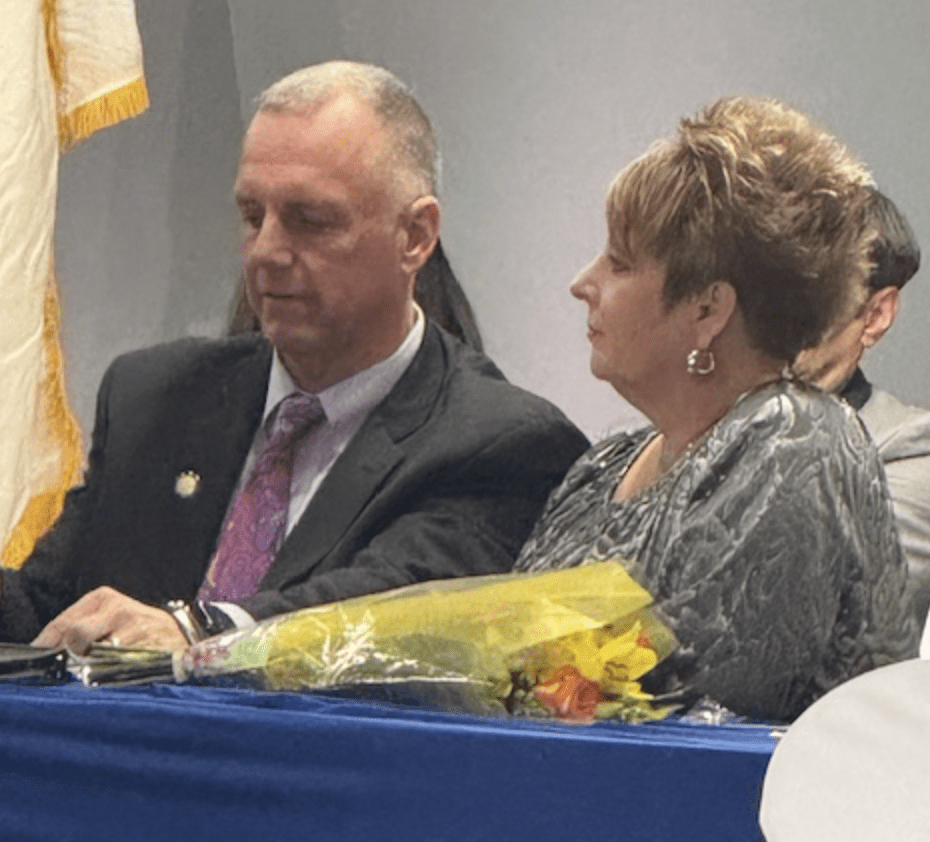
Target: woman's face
<point x="637" y="341"/>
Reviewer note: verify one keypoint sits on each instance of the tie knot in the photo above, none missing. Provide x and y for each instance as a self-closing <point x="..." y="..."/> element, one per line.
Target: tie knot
<point x="296" y="415"/>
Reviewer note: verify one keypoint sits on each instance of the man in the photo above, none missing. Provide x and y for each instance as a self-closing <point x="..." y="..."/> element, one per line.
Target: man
<point x="901" y="433"/>
<point x="356" y="448"/>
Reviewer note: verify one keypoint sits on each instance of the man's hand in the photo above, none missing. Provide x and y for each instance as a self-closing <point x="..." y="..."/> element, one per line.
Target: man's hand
<point x="108" y="615"/>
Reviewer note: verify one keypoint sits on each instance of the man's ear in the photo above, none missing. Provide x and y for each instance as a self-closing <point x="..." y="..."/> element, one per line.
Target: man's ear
<point x="880" y="312"/>
<point x="713" y="309"/>
<point x="421" y="231"/>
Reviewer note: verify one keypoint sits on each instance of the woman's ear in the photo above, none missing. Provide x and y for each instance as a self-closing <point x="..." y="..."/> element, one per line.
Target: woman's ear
<point x="714" y="306"/>
<point x="421" y="231"/>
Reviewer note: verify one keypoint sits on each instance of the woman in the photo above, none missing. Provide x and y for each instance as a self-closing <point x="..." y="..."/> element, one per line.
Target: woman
<point x="754" y="509"/>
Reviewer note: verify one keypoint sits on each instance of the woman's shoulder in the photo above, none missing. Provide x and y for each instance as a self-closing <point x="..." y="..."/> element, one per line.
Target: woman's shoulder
<point x="794" y="414"/>
<point x="793" y="401"/>
<point x="788" y="436"/>
<point x="599" y="464"/>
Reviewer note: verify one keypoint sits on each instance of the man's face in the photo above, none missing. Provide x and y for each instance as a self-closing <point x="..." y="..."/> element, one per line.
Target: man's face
<point x="323" y="240"/>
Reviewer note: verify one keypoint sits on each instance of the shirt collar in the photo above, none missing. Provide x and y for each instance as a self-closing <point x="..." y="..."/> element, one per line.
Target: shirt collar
<point x="857" y="390"/>
<point x="358" y="394"/>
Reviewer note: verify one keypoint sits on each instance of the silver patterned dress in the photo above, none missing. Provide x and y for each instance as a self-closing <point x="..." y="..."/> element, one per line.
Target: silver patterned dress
<point x="770" y="550"/>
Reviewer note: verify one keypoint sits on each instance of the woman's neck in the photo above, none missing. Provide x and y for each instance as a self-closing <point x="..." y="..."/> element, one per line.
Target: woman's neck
<point x="683" y="422"/>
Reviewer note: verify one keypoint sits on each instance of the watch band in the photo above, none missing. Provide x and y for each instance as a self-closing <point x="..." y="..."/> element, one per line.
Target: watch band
<point x="184" y="617"/>
<point x="199" y="619"/>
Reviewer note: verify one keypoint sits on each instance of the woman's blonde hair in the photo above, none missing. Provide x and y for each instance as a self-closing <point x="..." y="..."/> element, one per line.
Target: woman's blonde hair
<point x="751" y="192"/>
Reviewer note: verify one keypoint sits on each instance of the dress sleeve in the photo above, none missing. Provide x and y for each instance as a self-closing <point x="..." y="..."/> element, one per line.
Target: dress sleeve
<point x="785" y="577"/>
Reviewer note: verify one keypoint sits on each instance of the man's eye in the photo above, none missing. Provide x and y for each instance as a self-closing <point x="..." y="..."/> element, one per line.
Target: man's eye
<point x="305" y="220"/>
<point x="251" y="216"/>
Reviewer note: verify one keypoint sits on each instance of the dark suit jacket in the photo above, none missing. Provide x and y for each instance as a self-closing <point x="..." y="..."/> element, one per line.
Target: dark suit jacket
<point x="445" y="478"/>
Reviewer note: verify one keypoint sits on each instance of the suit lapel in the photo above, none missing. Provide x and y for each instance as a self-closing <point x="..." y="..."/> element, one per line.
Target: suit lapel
<point x="229" y="409"/>
<point x="373" y="453"/>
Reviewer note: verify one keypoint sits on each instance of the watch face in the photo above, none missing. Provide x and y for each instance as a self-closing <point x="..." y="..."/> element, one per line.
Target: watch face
<point x="210" y="619"/>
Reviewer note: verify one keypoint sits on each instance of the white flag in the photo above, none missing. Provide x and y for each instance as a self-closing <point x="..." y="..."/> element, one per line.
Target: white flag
<point x="67" y="68"/>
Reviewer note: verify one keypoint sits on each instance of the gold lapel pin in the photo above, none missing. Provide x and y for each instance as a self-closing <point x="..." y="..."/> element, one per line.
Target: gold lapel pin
<point x="187" y="483"/>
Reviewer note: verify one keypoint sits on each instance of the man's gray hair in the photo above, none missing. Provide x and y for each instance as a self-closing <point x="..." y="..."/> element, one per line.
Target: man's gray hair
<point x="391" y="99"/>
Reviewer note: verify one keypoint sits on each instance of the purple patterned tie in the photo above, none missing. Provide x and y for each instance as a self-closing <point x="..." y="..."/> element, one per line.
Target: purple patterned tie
<point x="255" y="527"/>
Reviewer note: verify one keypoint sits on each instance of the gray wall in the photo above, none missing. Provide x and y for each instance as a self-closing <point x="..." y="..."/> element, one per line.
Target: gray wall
<point x="537" y="104"/>
<point x="146" y="237"/>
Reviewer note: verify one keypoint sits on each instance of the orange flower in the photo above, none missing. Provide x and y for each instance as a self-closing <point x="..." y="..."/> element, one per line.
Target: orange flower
<point x="569" y="694"/>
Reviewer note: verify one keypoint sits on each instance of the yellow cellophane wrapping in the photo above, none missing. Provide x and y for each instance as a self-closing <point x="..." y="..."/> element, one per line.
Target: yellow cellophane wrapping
<point x="568" y="643"/>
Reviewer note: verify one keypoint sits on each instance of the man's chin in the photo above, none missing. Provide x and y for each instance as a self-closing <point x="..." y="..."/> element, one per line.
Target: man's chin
<point x="292" y="342"/>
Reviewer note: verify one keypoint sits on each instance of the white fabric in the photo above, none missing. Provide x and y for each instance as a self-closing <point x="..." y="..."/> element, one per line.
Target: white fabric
<point x="240" y="617"/>
<point x="100" y="46"/>
<point x="28" y="181"/>
<point x="854" y="767"/>
<point x="97" y="51"/>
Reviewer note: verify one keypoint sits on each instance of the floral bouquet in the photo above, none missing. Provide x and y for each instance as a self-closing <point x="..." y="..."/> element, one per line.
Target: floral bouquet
<point x="570" y="644"/>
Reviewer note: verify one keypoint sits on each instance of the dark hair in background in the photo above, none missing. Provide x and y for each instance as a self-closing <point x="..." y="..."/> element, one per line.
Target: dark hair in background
<point x="437" y="291"/>
<point x="243" y="318"/>
<point x="442" y="298"/>
<point x="896" y="253"/>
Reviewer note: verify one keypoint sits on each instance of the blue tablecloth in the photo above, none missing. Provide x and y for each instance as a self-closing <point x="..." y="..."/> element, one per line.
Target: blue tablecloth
<point x="202" y="764"/>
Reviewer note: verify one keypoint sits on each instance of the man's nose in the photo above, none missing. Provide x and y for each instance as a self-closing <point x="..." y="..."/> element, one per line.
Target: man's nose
<point x="270" y="245"/>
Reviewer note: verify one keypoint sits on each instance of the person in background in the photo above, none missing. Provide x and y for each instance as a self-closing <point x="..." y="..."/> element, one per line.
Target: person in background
<point x="752" y="508"/>
<point x="901" y="432"/>
<point x="442" y="298"/>
<point x="352" y="447"/>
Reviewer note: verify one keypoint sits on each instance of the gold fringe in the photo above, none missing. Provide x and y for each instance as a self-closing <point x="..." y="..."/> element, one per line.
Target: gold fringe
<point x="83" y="121"/>
<point x="55" y="422"/>
<point x="52" y="44"/>
<point x="60" y="427"/>
<point x="125" y="102"/>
